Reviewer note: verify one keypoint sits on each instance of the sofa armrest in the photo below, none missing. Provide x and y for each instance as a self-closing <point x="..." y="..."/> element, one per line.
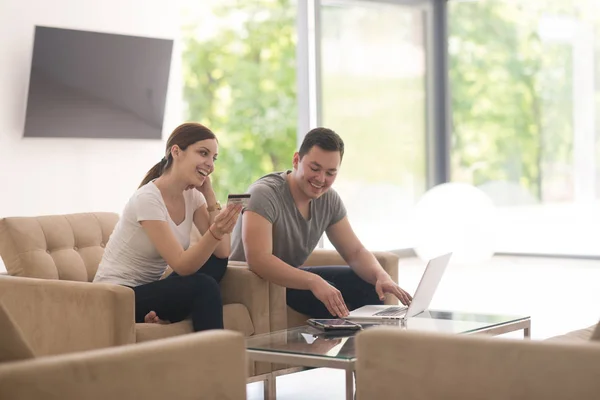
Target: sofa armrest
<point x="441" y="366"/>
<point x="577" y="336"/>
<point x="324" y="257"/>
<point x="276" y="300"/>
<point x="240" y="285"/>
<point x="63" y="316"/>
<point x="389" y="262"/>
<point x="207" y="365"/>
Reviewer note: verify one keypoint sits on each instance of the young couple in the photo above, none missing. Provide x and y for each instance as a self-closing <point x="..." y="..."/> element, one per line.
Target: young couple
<point x="287" y="215"/>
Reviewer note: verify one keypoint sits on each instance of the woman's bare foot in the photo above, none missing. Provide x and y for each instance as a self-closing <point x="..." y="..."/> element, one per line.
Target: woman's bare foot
<point x="152" y="318"/>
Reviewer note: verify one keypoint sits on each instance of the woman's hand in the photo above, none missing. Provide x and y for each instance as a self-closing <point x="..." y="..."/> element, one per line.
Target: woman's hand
<point x="226" y="220"/>
<point x="207" y="190"/>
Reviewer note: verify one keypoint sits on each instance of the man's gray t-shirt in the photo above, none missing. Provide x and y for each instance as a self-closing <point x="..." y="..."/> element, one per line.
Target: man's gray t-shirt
<point x="294" y="238"/>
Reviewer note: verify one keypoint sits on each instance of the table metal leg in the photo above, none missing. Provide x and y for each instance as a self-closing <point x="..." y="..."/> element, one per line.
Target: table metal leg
<point x="270" y="387"/>
<point x="349" y="384"/>
<point x="527" y="332"/>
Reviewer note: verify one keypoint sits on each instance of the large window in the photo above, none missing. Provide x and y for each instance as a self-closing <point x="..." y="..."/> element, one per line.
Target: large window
<point x="523" y="89"/>
<point x="525" y="95"/>
<point x="373" y="70"/>
<point x="239" y="62"/>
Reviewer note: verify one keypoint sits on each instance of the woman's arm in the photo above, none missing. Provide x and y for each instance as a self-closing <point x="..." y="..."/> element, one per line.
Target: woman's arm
<point x="203" y="219"/>
<point x="187" y="262"/>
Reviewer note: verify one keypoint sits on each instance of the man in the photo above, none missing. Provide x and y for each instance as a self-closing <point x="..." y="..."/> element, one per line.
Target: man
<point x="283" y="223"/>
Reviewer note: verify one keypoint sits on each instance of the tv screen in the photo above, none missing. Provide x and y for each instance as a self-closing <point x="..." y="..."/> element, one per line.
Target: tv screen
<point x="97" y="85"/>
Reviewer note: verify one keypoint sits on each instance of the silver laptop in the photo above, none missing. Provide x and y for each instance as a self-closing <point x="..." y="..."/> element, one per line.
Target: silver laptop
<point x="421" y="300"/>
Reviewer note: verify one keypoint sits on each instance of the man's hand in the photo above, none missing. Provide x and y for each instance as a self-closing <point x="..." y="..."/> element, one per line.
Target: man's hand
<point x="330" y="296"/>
<point x="385" y="284"/>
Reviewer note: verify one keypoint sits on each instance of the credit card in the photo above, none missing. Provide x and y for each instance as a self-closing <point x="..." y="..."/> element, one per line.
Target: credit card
<point x="242" y="199"/>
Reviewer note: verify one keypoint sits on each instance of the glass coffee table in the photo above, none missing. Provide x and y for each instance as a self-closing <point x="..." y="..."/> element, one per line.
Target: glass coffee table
<point x="306" y="346"/>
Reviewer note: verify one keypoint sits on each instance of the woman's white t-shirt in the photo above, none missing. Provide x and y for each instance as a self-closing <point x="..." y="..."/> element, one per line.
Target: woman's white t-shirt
<point x="130" y="258"/>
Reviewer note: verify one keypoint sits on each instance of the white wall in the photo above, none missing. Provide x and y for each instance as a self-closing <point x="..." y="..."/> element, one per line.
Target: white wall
<point x="51" y="176"/>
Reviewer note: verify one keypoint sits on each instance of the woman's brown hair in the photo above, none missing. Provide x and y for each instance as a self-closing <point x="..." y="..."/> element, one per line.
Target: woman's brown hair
<point x="184" y="135"/>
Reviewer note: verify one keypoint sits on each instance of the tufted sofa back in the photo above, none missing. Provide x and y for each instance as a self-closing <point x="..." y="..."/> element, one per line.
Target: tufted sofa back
<point x="67" y="247"/>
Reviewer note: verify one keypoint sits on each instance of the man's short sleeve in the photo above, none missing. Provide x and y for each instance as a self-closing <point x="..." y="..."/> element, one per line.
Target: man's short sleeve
<point x="148" y="207"/>
<point x="338" y="209"/>
<point x="263" y="201"/>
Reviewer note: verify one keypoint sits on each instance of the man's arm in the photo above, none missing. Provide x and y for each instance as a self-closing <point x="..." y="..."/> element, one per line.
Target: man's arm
<point x="257" y="236"/>
<point x="362" y="261"/>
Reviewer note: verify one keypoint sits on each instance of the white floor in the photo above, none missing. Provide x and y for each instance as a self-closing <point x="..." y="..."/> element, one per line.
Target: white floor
<point x="560" y="295"/>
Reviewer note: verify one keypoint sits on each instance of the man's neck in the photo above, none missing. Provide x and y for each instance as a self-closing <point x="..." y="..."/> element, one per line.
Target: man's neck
<point x="300" y="199"/>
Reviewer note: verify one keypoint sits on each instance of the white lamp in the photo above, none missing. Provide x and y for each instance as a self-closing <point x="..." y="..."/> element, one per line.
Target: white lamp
<point x="458" y="218"/>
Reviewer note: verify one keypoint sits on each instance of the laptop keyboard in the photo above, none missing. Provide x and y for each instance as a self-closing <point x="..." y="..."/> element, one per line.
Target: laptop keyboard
<point x="392" y="312"/>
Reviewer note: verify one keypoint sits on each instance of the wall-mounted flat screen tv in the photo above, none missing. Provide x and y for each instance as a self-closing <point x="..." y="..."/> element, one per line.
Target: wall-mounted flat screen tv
<point x="97" y="85"/>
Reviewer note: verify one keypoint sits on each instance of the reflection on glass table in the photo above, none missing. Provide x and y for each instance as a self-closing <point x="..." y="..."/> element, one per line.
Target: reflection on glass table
<point x="310" y="341"/>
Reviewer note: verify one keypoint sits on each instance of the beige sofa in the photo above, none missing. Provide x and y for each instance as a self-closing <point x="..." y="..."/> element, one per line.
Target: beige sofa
<point x="207" y="365"/>
<point x="70" y="247"/>
<point x="58" y="317"/>
<point x="392" y="363"/>
<point x="65" y="250"/>
<point x="579" y="335"/>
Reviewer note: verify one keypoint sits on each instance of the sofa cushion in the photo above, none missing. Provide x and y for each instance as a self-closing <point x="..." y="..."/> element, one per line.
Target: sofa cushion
<point x="235" y="318"/>
<point x="12" y="343"/>
<point x="67" y="247"/>
<point x="294" y="318"/>
<point x="575" y="336"/>
<point x="596" y="333"/>
<point x="146" y="332"/>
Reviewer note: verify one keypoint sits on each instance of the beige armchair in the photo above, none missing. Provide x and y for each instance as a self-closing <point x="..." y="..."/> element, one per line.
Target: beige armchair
<point x="58" y="317"/>
<point x="63" y="251"/>
<point x="206" y="365"/>
<point x="392" y="363"/>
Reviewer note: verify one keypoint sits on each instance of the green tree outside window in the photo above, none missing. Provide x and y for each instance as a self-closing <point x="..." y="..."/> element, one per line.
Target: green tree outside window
<point x="242" y="84"/>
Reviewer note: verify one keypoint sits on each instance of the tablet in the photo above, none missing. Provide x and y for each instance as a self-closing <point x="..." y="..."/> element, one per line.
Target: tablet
<point x="334" y="324"/>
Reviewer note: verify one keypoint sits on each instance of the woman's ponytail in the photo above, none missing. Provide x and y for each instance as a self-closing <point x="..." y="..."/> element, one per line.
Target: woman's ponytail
<point x="154" y="172"/>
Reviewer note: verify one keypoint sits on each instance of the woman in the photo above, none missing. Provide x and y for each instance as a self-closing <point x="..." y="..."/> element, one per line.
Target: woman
<point x="154" y="231"/>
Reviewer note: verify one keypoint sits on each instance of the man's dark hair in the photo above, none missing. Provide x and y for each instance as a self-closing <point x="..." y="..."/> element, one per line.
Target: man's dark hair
<point x="324" y="138"/>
